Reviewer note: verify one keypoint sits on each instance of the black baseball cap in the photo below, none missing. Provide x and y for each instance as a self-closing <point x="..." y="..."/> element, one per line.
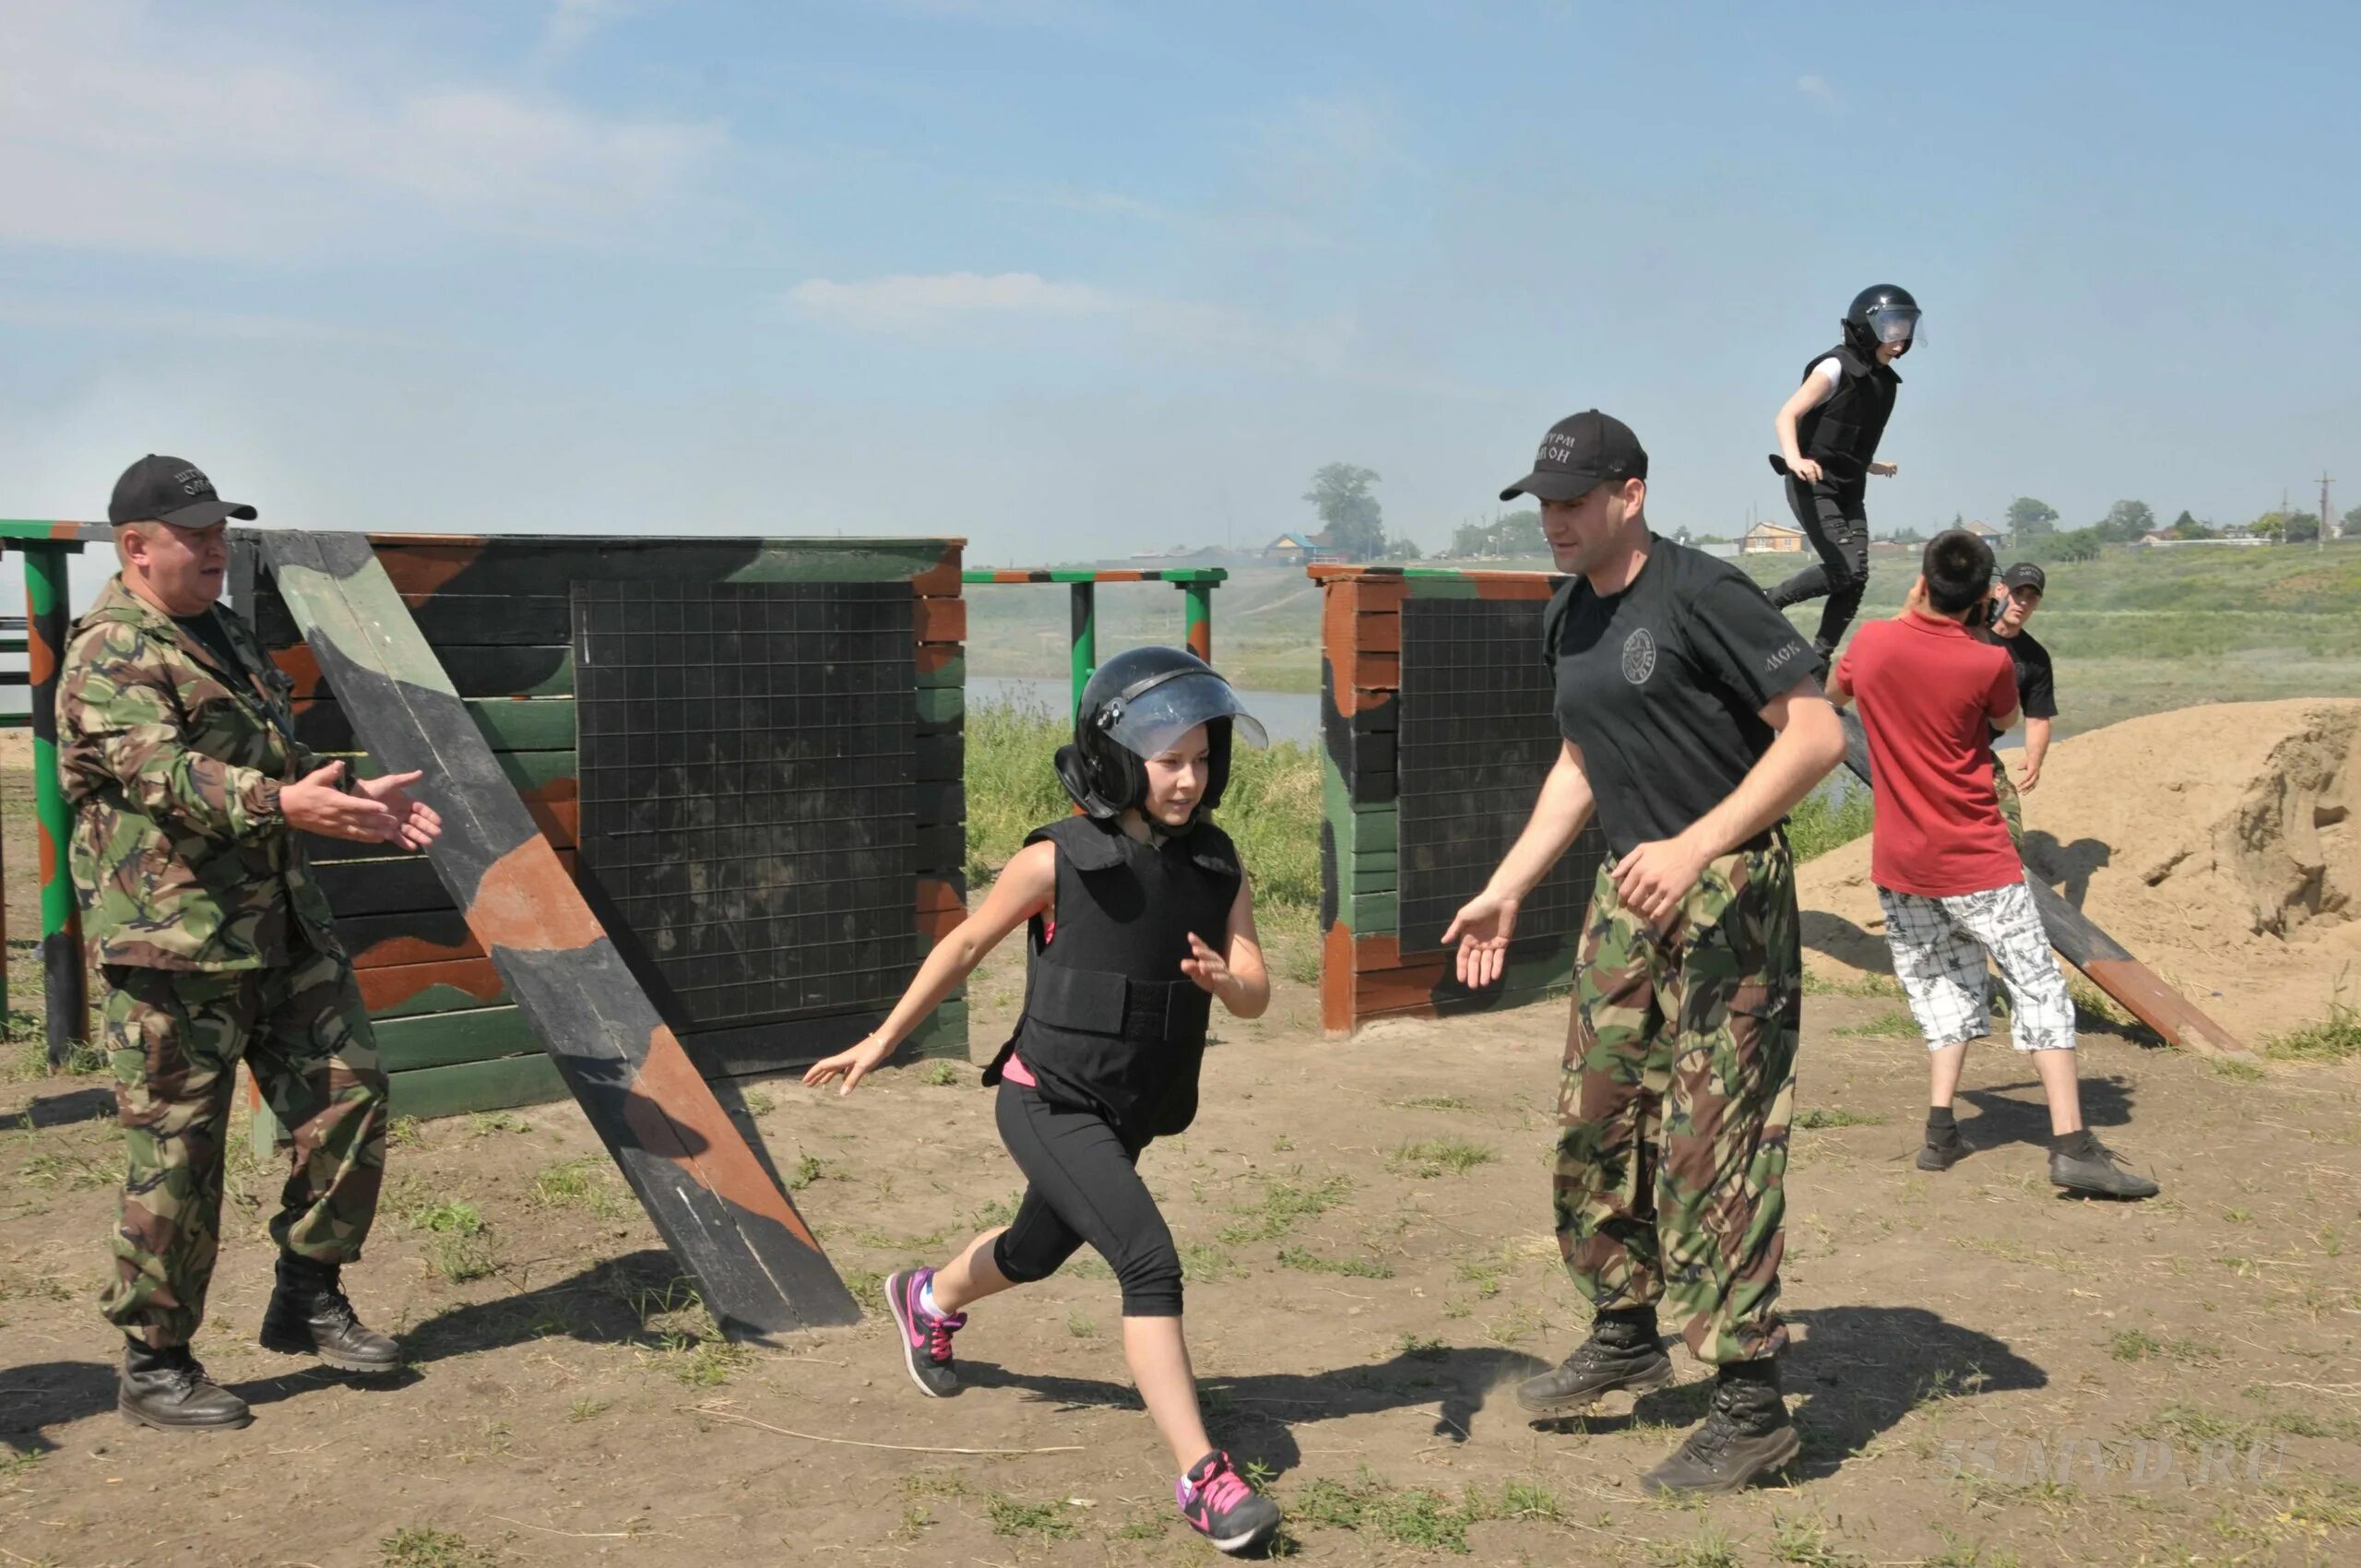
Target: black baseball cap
<point x="174" y="491"/>
<point x="1578" y="456"/>
<point x="2024" y="574"/>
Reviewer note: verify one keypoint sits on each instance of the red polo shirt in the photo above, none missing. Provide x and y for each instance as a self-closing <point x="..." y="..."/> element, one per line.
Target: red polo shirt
<point x="1929" y="695"/>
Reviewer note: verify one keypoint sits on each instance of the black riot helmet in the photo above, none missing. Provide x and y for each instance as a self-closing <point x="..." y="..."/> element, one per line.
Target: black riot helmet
<point x="1884" y="313"/>
<point x="1135" y="705"/>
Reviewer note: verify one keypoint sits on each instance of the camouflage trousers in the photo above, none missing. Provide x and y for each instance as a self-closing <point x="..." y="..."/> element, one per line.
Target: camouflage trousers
<point x="174" y="1038"/>
<point x="2004" y="788"/>
<point x="1679" y="1078"/>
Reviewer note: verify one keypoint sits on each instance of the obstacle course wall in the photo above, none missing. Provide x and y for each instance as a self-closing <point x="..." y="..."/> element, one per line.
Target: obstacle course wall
<point x="748" y="754"/>
<point x="1435" y="712"/>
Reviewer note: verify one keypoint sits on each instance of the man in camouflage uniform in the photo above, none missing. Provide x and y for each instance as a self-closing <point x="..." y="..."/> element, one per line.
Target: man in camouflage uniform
<point x="177" y="746"/>
<point x="1692" y="723"/>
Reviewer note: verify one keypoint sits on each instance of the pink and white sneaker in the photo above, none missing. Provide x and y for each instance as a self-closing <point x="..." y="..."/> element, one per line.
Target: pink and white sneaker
<point x="926" y="1336"/>
<point x="1220" y="1507"/>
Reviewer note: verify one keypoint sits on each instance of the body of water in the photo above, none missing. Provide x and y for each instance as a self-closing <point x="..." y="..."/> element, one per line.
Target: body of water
<point x="1288" y="716"/>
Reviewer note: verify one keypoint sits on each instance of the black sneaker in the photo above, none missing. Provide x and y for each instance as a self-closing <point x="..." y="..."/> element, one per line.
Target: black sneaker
<point x="309" y="1315"/>
<point x="2083" y="1164"/>
<point x="1941" y="1152"/>
<point x="1617" y="1357"/>
<point x="168" y="1390"/>
<point x="1745" y="1434"/>
<point x="1221" y="1507"/>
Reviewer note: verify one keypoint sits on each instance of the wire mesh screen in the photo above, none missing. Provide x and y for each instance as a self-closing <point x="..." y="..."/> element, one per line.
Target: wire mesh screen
<point x="1476" y="739"/>
<point x="746" y="800"/>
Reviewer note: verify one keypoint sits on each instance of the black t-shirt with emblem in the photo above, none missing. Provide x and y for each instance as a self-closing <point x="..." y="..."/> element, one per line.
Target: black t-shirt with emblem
<point x="1662" y="687"/>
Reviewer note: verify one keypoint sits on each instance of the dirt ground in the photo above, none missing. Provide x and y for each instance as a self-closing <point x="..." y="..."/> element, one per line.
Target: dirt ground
<point x="1986" y="1373"/>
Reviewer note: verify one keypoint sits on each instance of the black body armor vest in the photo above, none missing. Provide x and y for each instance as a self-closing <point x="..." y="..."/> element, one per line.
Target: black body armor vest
<point x="1842" y="434"/>
<point x="1110" y="1023"/>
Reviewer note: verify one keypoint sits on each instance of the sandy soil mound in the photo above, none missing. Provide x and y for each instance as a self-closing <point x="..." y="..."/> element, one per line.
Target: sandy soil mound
<point x="2218" y="844"/>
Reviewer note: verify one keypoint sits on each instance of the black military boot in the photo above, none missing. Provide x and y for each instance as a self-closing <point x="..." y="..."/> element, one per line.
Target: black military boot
<point x="1944" y="1147"/>
<point x="2080" y="1163"/>
<point x="1745" y="1433"/>
<point x="309" y="1316"/>
<point x="1622" y="1352"/>
<point x="166" y="1389"/>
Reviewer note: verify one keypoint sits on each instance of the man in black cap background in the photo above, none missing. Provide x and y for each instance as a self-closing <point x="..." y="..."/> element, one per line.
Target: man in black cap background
<point x="178" y="750"/>
<point x="1692" y="723"/>
<point x="1829" y="429"/>
<point x="2013" y="601"/>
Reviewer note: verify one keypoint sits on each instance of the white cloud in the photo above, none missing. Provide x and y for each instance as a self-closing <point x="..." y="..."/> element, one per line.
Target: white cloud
<point x="1820" y="92"/>
<point x="906" y="303"/>
<point x="117" y="132"/>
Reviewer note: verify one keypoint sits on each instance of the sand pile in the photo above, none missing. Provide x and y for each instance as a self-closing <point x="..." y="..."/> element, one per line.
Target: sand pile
<point x="2218" y="844"/>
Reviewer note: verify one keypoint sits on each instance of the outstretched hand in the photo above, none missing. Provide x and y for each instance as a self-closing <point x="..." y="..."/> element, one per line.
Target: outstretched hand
<point x="416" y="824"/>
<point x="1208" y="969"/>
<point x="852" y="1065"/>
<point x="1482" y="929"/>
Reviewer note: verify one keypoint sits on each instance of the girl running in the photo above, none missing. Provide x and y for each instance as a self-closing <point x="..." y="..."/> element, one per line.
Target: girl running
<point x="1140" y="915"/>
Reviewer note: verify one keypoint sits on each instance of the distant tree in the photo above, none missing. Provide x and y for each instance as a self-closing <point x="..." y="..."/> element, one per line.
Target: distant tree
<point x="1469" y="540"/>
<point x="2187" y="527"/>
<point x="1348" y="513"/>
<point x="1908" y="535"/>
<point x="2299" y="528"/>
<point x="2352" y="524"/>
<point x="2081" y="544"/>
<point x="2031" y="521"/>
<point x="2126" y="520"/>
<point x="1520" y="533"/>
<point x="1403" y="548"/>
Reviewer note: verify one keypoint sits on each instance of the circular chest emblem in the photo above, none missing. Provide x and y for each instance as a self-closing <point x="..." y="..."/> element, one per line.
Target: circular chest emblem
<point x="1639" y="657"/>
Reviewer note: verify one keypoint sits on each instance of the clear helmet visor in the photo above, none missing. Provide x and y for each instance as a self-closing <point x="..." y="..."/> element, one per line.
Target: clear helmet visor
<point x="1151" y="722"/>
<point x="1895" y="326"/>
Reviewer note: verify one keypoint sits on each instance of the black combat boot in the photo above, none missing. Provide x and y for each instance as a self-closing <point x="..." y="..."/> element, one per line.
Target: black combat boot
<point x="2080" y="1163"/>
<point x="1745" y="1433"/>
<point x="309" y="1316"/>
<point x="166" y="1389"/>
<point x="1622" y="1352"/>
<point x="1944" y="1147"/>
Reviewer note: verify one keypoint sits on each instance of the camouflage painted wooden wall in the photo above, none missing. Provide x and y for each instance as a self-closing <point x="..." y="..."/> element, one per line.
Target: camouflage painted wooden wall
<point x="498" y="612"/>
<point x="1436" y="734"/>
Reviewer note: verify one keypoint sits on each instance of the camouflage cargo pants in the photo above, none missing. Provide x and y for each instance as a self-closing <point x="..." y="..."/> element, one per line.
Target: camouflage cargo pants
<point x="175" y="1037"/>
<point x="1679" y="1078"/>
<point x="2012" y="808"/>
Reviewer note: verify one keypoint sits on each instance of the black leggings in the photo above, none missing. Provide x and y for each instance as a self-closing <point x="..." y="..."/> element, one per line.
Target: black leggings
<point x="1833" y="519"/>
<point x="1081" y="1186"/>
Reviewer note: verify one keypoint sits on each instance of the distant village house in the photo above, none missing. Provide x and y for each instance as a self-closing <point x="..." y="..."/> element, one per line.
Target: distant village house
<point x="1771" y="539"/>
<point x="1297" y="550"/>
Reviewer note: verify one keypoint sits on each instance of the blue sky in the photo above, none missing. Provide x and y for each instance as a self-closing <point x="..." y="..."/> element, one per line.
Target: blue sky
<point x="1069" y="278"/>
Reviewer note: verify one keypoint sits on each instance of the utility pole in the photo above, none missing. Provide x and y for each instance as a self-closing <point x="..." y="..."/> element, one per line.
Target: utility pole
<point x="2323" y="536"/>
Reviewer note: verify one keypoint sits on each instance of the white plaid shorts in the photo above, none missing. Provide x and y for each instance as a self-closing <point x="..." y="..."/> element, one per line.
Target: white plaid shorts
<point x="1939" y="945"/>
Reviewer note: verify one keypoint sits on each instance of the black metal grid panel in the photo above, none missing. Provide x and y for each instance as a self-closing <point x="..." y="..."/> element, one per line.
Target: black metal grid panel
<point x="745" y="770"/>
<point x="1476" y="739"/>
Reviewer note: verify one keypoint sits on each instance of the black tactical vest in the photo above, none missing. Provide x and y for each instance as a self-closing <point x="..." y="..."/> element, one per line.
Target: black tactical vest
<point x="1110" y="1023"/>
<point x="1842" y="434"/>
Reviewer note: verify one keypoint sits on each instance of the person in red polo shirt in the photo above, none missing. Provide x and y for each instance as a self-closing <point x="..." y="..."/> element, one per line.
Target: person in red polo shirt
<point x="1948" y="877"/>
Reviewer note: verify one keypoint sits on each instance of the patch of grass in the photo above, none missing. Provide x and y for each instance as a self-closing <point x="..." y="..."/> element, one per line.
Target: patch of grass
<point x="459" y="1247"/>
<point x="1484" y="1273"/>
<point x="1311" y="1263"/>
<point x="940" y="1074"/>
<point x="867" y="1288"/>
<point x="2336" y="1037"/>
<point x="1827" y="818"/>
<point x="1802" y="1540"/>
<point x="420" y="1546"/>
<point x="577" y="1183"/>
<point x="1817" y="1116"/>
<point x="1420" y="1347"/>
<point x="1202" y="1262"/>
<point x="1434" y="1103"/>
<point x="1868" y="986"/>
<point x="808" y="1168"/>
<point x="1893" y="1022"/>
<point x="1711" y="1548"/>
<point x="689" y="1343"/>
<point x="2237" y="1071"/>
<point x="16" y="1465"/>
<point x="1957" y="1553"/>
<point x="69" y="1168"/>
<point x="1530" y="1500"/>
<point x="1042" y="1521"/>
<point x="758" y="1102"/>
<point x="404" y="1131"/>
<point x="1414" y="1516"/>
<point x="1081" y="1326"/>
<point x="2139" y="1345"/>
<point x="1436" y="1156"/>
<point x="483" y="1123"/>
<point x="1284" y="1201"/>
<point x="995" y="1211"/>
<point x="587" y="1410"/>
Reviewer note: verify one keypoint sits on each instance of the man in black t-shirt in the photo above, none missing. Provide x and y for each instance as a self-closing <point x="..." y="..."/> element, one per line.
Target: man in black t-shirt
<point x="2015" y="598"/>
<point x="1691" y="722"/>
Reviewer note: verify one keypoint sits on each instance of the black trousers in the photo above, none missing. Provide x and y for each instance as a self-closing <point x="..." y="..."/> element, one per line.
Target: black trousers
<point x="1082" y="1185"/>
<point x="1833" y="518"/>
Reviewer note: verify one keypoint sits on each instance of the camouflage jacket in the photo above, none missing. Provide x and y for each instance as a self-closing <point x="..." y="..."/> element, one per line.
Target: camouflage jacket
<point x="173" y="764"/>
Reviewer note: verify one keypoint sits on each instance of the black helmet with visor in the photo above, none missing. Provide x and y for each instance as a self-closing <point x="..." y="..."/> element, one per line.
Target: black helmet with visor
<point x="1137" y="705"/>
<point x="1882" y="313"/>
